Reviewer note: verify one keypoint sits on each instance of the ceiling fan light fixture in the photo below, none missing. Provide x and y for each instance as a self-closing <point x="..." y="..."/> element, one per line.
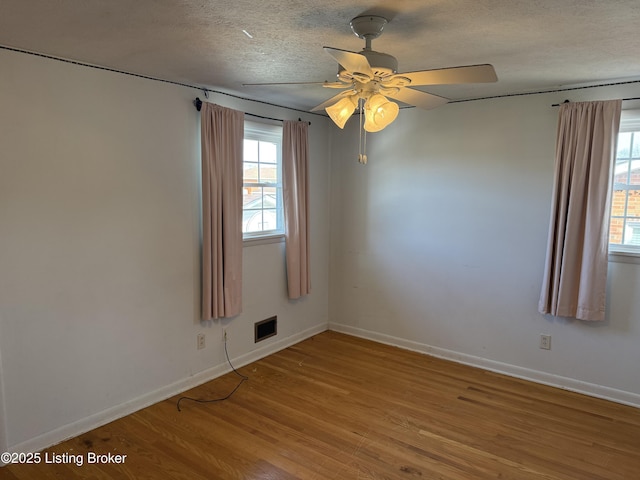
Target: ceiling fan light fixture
<point x="342" y="110"/>
<point x="379" y="112"/>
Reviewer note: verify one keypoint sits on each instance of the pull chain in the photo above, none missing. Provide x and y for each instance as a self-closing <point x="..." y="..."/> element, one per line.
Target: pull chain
<point x="362" y="143"/>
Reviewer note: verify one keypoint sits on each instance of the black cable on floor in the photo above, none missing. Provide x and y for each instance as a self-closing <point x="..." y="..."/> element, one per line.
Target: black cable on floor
<point x="199" y="400"/>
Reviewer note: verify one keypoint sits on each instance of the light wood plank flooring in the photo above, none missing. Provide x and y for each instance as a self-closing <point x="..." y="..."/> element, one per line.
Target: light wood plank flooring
<point x="339" y="407"/>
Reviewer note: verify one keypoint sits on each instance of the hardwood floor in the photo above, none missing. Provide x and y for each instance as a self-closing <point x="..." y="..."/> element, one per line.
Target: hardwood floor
<point x="339" y="407"/>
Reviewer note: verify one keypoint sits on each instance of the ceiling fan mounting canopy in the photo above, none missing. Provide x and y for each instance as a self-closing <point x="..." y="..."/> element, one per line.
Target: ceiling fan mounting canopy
<point x="368" y="27"/>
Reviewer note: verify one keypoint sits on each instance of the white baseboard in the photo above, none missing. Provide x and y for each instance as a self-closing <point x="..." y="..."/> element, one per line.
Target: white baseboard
<point x="599" y="391"/>
<point x="102" y="418"/>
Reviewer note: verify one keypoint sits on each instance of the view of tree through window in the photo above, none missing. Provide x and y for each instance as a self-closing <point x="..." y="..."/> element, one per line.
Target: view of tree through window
<point x="625" y="205"/>
<point x="262" y="186"/>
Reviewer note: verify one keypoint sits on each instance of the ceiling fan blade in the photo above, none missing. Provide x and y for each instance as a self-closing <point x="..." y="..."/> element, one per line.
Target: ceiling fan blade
<point x="287" y="83"/>
<point x="446" y="76"/>
<point x="336" y="85"/>
<point x="352" y="62"/>
<point x="419" y="99"/>
<point x="333" y="100"/>
<point x="325" y="84"/>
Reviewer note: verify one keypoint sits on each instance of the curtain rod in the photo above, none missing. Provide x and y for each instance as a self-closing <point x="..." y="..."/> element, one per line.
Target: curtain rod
<point x="567" y="101"/>
<point x="198" y="104"/>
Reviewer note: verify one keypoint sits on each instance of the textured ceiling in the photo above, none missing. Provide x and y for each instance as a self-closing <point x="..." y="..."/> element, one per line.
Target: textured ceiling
<point x="534" y="45"/>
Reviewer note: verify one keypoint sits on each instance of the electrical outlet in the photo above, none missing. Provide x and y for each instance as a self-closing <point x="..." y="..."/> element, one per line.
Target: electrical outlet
<point x="225" y="335"/>
<point x="201" y="343"/>
<point x="545" y="342"/>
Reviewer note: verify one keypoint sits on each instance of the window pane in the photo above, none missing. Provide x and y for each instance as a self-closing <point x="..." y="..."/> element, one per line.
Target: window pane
<point x="270" y="219"/>
<point x="621" y="172"/>
<point x="246" y="215"/>
<point x="624" y="145"/>
<point x="635" y="151"/>
<point x="632" y="233"/>
<point x="268" y="152"/>
<point x="251" y="198"/>
<point x="618" y="203"/>
<point x="250" y="151"/>
<point x="625" y="202"/>
<point x="252" y="221"/>
<point x="250" y="172"/>
<point x="268" y="173"/>
<point x="615" y="231"/>
<point x="633" y="207"/>
<point x="635" y="172"/>
<point x="269" y="199"/>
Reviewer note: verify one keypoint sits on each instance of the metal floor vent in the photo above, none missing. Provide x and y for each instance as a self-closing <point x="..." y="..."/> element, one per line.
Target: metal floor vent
<point x="266" y="328"/>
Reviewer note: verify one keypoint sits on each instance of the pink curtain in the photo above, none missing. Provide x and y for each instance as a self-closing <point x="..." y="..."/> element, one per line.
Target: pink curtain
<point x="222" y="143"/>
<point x="575" y="275"/>
<point x="295" y="186"/>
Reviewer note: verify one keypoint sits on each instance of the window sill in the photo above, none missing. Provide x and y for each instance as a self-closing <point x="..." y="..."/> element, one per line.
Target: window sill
<point x="263" y="240"/>
<point x="624" y="256"/>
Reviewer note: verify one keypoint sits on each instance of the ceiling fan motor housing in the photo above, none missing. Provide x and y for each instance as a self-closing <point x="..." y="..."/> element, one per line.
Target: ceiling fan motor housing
<point x="382" y="65"/>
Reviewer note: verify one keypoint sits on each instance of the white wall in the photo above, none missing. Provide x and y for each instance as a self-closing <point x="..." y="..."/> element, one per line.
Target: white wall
<point x="99" y="249"/>
<point x="3" y="431"/>
<point x="438" y="245"/>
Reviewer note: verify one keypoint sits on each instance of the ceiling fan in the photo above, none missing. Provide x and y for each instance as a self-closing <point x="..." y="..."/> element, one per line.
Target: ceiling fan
<point x="369" y="79"/>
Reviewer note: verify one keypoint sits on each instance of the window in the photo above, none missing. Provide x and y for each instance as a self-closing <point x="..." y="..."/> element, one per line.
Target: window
<point x="624" y="232"/>
<point x="262" y="211"/>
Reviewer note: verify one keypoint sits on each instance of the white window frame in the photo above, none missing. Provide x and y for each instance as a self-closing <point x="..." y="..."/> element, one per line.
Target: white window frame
<point x="629" y="122"/>
<point x="273" y="134"/>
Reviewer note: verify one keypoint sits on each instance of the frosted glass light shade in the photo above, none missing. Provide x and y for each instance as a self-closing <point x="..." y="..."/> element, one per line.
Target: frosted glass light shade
<point x="342" y="110"/>
<point x="379" y="112"/>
